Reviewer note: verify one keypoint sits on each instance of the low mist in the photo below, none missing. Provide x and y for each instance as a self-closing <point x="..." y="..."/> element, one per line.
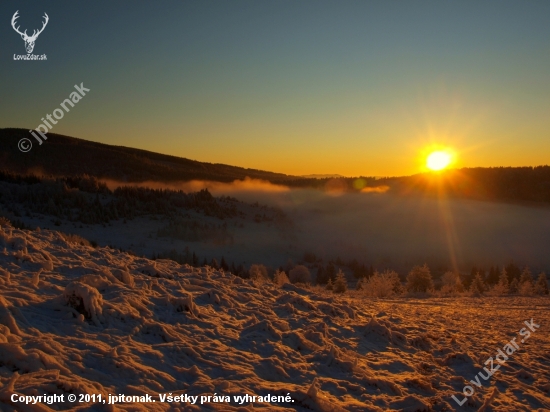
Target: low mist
<point x="217" y="188"/>
<point x="378" y="227"/>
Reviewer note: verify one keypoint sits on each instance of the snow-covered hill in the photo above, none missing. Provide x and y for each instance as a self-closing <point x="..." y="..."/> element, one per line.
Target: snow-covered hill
<point x="79" y="320"/>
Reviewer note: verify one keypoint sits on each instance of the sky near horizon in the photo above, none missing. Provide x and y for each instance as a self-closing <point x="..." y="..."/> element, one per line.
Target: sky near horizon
<point x="298" y="87"/>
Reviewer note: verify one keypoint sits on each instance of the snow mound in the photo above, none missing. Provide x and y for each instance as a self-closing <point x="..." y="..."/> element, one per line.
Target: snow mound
<point x="124" y="276"/>
<point x="86" y="299"/>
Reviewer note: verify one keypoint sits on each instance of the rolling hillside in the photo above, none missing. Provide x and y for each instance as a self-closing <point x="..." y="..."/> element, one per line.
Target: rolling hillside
<point x="67" y="156"/>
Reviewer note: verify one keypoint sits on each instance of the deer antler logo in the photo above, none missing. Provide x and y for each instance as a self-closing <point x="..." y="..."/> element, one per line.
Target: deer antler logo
<point x="29" y="40"/>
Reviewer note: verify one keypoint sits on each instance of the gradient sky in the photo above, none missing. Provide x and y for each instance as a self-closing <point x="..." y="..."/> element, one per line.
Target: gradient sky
<point x="299" y="87"/>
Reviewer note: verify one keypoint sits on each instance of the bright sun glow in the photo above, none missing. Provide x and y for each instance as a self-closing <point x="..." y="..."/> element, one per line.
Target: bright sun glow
<point x="438" y="160"/>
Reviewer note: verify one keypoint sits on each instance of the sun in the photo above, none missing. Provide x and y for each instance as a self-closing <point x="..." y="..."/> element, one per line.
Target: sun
<point x="438" y="160"/>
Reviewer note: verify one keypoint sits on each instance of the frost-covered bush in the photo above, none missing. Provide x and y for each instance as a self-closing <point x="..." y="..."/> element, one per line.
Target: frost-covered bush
<point x="258" y="273"/>
<point x="75" y="239"/>
<point x="299" y="274"/>
<point x="419" y="279"/>
<point x="451" y="283"/>
<point x="340" y="284"/>
<point x="381" y="285"/>
<point x="280" y="278"/>
<point x="329" y="286"/>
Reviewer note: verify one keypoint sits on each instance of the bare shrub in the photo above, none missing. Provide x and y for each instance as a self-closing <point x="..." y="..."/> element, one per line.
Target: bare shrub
<point x="419" y="279"/>
<point x="299" y="274"/>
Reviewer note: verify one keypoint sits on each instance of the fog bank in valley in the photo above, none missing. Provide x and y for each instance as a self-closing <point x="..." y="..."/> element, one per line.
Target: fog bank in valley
<point x="397" y="231"/>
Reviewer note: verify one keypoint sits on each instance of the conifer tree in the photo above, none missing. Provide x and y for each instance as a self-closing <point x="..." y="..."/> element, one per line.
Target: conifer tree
<point x="493" y="277"/>
<point x="525" y="276"/>
<point x="477" y="286"/>
<point x="340" y="284"/>
<point x="503" y="284"/>
<point x="321" y="275"/>
<point x="468" y="279"/>
<point x="224" y="265"/>
<point x="541" y="287"/>
<point x="331" y="271"/>
<point x="514" y="285"/>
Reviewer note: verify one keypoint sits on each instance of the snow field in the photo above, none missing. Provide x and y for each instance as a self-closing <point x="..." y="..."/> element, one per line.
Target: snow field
<point x="74" y="319"/>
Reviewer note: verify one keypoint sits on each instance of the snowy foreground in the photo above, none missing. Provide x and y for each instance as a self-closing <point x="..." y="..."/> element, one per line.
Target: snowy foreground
<point x="78" y="320"/>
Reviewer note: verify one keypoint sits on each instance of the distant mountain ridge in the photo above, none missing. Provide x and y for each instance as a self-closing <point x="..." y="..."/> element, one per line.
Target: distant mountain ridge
<point x="322" y="176"/>
<point x="67" y="156"/>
